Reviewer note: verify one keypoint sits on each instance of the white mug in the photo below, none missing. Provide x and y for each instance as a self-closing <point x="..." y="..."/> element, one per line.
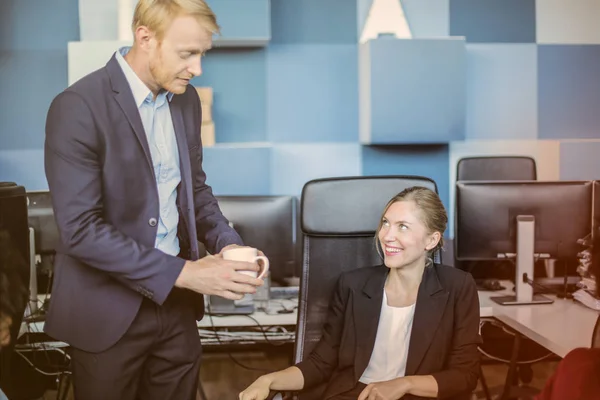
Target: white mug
<point x="248" y="254"/>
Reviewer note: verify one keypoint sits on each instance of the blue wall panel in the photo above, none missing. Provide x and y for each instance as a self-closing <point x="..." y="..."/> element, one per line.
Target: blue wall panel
<point x="295" y="164"/>
<point x="579" y="160"/>
<point x="30" y="80"/>
<point x="427" y="19"/>
<point x="38" y="25"/>
<point x="313" y="21"/>
<point x="569" y="91"/>
<point x="417" y="90"/>
<point x="508" y="21"/>
<point x="238" y="79"/>
<point x="502" y="91"/>
<point x="312" y="93"/>
<point x="25" y="167"/>
<point x="238" y="170"/>
<point x="242" y="19"/>
<point x="430" y="161"/>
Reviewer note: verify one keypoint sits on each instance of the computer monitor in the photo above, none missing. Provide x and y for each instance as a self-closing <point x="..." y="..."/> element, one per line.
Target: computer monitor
<point x="267" y="223"/>
<point x="41" y="219"/>
<point x="524" y="220"/>
<point x="596" y="209"/>
<point x="44" y="239"/>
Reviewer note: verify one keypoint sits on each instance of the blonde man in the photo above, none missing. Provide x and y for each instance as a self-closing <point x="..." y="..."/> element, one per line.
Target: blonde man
<point x="124" y="165"/>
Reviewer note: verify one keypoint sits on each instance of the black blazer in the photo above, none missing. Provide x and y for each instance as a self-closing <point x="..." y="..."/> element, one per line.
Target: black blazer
<point x="106" y="206"/>
<point x="443" y="343"/>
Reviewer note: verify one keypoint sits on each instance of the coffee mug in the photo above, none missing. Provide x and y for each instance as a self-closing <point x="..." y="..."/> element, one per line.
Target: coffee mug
<point x="248" y="254"/>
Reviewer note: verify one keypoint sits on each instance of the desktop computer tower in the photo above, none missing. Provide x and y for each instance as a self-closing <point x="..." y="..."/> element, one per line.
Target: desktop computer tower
<point x="15" y="269"/>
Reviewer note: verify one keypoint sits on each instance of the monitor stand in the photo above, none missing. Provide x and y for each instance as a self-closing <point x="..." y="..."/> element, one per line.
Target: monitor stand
<point x="221" y="306"/>
<point x="33" y="286"/>
<point x="524" y="267"/>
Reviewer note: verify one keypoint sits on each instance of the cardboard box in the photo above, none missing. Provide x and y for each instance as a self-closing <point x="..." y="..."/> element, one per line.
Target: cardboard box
<point x="207" y="134"/>
<point x="206" y="101"/>
<point x="205" y="94"/>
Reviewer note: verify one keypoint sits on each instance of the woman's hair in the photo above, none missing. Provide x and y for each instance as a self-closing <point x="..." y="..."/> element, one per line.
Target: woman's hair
<point x="433" y="214"/>
<point x="157" y="15"/>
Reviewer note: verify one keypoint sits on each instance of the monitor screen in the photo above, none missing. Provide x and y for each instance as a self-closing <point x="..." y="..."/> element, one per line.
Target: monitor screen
<point x="486" y="217"/>
<point x="267" y="223"/>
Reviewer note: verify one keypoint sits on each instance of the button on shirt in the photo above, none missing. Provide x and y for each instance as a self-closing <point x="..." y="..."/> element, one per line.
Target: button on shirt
<point x="158" y="125"/>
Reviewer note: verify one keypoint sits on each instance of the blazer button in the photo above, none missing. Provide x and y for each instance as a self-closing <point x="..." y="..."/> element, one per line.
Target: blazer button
<point x="152" y="222"/>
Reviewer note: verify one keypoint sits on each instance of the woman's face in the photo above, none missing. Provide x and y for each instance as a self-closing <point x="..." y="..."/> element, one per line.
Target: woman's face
<point x="404" y="237"/>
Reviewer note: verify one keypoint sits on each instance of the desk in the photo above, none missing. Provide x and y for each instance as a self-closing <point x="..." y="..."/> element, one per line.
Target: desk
<point x="560" y="327"/>
<point x="257" y="327"/>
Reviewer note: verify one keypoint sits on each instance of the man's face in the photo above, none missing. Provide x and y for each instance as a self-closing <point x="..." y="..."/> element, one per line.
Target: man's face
<point x="177" y="58"/>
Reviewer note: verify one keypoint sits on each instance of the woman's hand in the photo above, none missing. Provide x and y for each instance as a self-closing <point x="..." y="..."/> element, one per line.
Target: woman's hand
<point x="259" y="390"/>
<point x="388" y="390"/>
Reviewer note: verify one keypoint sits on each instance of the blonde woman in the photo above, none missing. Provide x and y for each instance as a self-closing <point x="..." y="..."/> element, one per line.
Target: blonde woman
<point x="406" y="329"/>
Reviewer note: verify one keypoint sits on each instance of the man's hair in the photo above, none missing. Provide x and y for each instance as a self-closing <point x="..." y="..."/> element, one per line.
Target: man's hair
<point x="157" y="15"/>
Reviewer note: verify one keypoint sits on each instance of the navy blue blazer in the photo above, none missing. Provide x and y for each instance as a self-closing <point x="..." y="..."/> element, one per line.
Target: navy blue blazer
<point x="106" y="206"/>
<point x="443" y="342"/>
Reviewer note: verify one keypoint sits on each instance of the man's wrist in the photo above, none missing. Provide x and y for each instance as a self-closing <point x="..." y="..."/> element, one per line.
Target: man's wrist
<point x="181" y="281"/>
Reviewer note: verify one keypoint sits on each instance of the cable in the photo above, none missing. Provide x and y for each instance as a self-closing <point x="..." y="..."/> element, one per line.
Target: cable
<point x="540" y="286"/>
<point x="212" y="324"/>
<point x="39" y="370"/>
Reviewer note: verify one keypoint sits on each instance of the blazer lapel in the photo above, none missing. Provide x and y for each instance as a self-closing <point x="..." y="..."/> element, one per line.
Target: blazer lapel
<point x="126" y="101"/>
<point x="367" y="309"/>
<point x="431" y="304"/>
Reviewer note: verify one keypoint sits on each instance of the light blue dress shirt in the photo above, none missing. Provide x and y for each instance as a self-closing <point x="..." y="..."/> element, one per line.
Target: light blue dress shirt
<point x="158" y="125"/>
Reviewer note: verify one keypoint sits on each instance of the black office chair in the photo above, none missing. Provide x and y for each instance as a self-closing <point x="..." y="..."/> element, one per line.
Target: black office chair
<point x="506" y="168"/>
<point x="339" y="217"/>
<point x="499" y="343"/>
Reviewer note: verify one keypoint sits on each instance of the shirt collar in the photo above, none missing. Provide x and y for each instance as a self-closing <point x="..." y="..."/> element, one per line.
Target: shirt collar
<point x="140" y="91"/>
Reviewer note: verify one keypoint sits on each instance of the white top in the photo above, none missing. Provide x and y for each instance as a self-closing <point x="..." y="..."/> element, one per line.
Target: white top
<point x="388" y="360"/>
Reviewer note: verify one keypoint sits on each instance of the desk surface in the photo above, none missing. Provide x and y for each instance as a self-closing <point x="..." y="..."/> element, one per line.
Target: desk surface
<point x="560" y="327"/>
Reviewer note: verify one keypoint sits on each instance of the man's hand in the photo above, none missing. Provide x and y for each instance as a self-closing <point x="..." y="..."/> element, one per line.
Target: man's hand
<point x="212" y="275"/>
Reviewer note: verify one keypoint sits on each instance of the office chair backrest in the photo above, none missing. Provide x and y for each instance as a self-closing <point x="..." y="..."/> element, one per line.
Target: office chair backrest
<point x="339" y="217"/>
<point x="496" y="168"/>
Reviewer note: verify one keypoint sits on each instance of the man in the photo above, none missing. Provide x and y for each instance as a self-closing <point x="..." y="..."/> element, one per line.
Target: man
<point x="123" y="161"/>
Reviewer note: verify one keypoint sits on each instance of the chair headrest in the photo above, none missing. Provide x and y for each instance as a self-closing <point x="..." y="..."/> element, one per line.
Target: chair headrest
<point x="326" y="204"/>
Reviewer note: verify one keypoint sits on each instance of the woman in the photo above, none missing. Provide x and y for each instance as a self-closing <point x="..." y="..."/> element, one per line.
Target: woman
<point x="405" y="328"/>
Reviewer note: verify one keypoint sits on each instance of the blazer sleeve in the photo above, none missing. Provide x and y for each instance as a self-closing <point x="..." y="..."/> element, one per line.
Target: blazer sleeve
<point x="212" y="226"/>
<point x="323" y="360"/>
<point x="462" y="368"/>
<point x="72" y="158"/>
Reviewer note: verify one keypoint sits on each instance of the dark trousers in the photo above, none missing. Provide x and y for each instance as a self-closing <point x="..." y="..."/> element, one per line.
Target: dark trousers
<point x="157" y="358"/>
<point x="351" y="394"/>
